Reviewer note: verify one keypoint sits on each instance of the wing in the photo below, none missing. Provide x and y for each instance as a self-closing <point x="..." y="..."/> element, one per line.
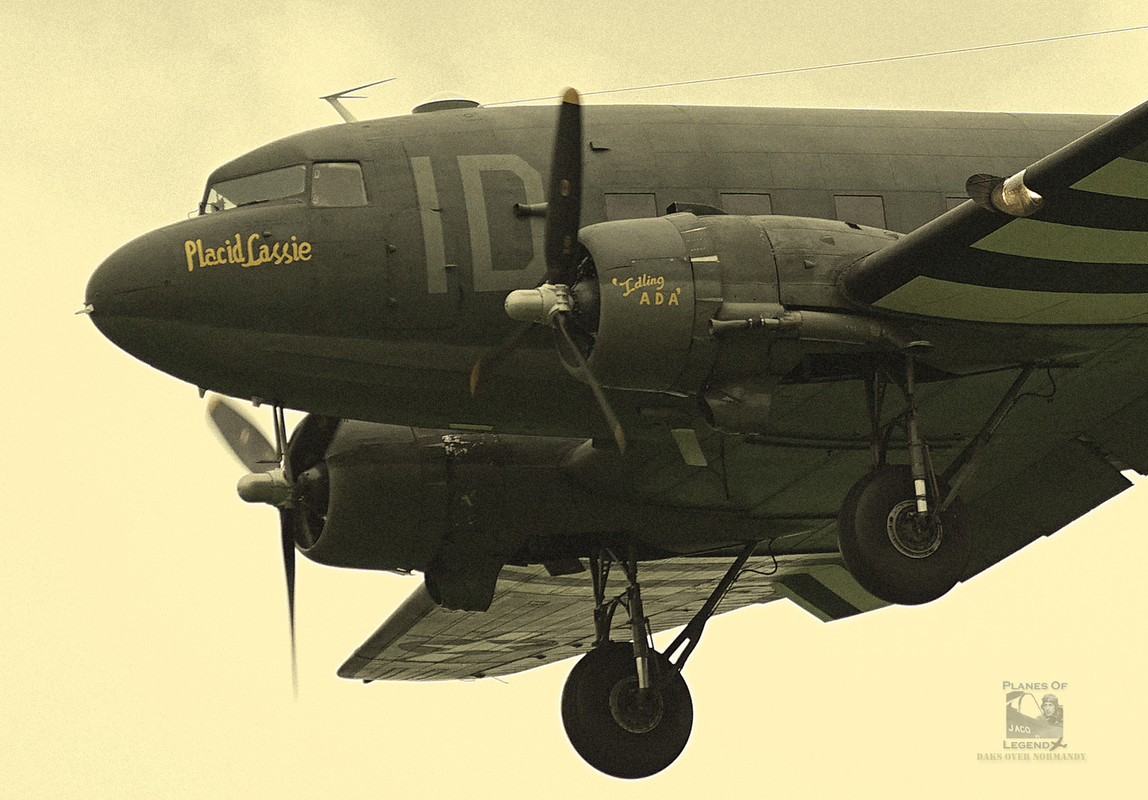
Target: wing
<point x="538" y="619"/>
<point x="1063" y="242"/>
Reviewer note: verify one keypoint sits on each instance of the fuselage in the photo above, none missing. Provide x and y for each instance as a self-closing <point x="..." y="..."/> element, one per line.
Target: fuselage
<point x="360" y="270"/>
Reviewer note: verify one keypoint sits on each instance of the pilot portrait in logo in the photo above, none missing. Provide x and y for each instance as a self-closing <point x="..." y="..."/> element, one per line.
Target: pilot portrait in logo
<point x="1051" y="710"/>
<point x="1026" y="718"/>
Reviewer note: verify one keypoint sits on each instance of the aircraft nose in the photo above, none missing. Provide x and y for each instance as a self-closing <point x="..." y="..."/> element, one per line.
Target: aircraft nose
<point x="130" y="288"/>
<point x="131" y="270"/>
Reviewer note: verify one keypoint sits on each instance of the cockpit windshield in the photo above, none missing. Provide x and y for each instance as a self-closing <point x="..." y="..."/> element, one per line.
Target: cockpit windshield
<point x="277" y="184"/>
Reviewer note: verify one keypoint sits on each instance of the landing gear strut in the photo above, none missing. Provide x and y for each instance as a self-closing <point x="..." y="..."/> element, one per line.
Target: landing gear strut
<point x="901" y="532"/>
<point x="625" y="707"/>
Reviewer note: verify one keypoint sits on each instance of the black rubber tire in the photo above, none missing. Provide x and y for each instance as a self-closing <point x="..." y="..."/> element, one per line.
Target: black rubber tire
<point x="593" y="726"/>
<point x="872" y="558"/>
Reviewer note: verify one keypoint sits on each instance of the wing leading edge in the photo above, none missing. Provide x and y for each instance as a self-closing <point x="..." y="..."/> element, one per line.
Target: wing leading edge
<point x="538" y="619"/>
<point x="1070" y="247"/>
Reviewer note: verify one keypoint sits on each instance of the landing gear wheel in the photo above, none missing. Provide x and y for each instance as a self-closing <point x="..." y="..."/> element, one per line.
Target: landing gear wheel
<point x="893" y="552"/>
<point x="614" y="728"/>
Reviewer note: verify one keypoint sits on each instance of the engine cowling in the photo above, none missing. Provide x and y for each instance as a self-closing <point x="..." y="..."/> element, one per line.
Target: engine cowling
<point x="658" y="283"/>
<point x="721" y="306"/>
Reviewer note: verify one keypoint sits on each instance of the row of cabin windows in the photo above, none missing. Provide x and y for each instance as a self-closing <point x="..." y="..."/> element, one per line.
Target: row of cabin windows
<point x="859" y="208"/>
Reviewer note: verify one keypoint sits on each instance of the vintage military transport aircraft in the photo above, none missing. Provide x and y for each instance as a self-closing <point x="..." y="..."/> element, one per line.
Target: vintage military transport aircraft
<point x="721" y="355"/>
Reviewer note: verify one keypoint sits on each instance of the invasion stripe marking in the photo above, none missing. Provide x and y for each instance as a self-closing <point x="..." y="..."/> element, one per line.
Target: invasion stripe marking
<point x="937" y="298"/>
<point x="814" y="596"/>
<point x="1139" y="152"/>
<point x="1122" y="177"/>
<point x="1033" y="238"/>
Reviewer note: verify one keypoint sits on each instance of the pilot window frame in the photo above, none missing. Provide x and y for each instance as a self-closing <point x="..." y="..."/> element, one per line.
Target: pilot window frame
<point x="207" y="206"/>
<point x="356" y="191"/>
<point x="302" y="175"/>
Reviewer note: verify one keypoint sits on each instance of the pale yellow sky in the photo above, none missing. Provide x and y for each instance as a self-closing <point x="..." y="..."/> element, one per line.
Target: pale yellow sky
<point x="143" y="640"/>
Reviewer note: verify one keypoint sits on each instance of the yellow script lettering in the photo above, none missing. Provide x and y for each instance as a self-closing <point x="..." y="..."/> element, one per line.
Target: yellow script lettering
<point x="251" y="261"/>
<point x="189" y="251"/>
<point x="246" y="253"/>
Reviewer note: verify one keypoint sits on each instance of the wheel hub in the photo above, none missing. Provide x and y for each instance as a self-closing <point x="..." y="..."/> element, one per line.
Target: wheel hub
<point x="914" y="534"/>
<point x="634" y="710"/>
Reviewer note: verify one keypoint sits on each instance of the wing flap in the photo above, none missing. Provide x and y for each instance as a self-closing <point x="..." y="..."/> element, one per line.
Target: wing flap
<point x="537" y="619"/>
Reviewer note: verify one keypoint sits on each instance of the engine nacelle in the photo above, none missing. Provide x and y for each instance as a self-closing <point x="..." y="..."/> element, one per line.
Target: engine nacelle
<point x="456" y="506"/>
<point x="698" y="306"/>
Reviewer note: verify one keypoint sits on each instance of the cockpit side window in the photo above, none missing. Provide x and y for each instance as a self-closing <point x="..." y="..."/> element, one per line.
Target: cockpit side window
<point x="286" y="183"/>
<point x="338" y="184"/>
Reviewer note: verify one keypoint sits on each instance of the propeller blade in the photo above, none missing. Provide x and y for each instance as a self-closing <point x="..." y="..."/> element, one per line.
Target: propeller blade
<point x="489" y="361"/>
<point x="287" y="540"/>
<point x="604" y="404"/>
<point x="241" y="436"/>
<point x="298" y="490"/>
<point x="564" y="201"/>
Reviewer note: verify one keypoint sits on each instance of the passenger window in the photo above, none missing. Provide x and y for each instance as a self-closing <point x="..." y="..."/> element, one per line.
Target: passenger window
<point x="861" y="209"/>
<point x="746" y="204"/>
<point x="630" y="206"/>
<point x="338" y="184"/>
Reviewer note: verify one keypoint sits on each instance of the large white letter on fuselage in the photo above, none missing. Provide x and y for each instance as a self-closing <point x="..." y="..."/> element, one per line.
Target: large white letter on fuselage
<point x="486" y="277"/>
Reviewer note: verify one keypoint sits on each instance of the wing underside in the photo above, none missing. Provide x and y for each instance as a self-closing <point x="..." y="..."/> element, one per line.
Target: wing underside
<point x="537" y="619"/>
<point x="1057" y="456"/>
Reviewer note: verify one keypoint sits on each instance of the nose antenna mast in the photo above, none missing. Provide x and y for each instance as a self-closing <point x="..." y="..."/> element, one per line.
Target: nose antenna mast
<point x="334" y="99"/>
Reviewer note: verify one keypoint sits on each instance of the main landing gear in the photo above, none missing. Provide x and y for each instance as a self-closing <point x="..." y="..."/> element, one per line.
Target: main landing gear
<point x="902" y="538"/>
<point x="901" y="529"/>
<point x="625" y="706"/>
<point x="895" y="550"/>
